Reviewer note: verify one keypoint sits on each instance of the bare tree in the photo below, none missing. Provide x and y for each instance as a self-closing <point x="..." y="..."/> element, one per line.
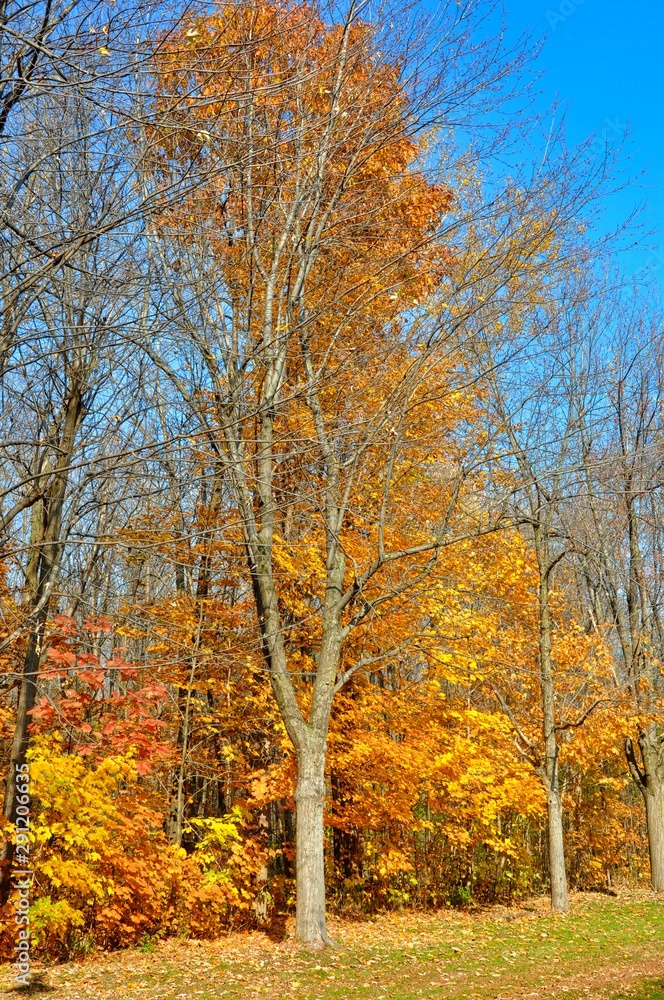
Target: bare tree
<point x="61" y="388"/>
<point x="539" y="396"/>
<point x="618" y="529"/>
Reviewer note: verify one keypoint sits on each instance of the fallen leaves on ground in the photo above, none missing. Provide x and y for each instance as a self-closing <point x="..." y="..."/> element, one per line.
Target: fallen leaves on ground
<point x="604" y="948"/>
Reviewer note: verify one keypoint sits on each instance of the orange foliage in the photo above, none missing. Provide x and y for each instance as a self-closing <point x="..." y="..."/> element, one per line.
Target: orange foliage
<point x="431" y="799"/>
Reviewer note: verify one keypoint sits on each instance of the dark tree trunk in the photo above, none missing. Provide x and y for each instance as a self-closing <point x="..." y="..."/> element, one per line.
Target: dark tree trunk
<point x="649" y="777"/>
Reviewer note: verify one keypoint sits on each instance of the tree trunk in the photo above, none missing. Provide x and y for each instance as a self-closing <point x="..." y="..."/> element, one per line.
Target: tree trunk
<point x="650" y="781"/>
<point x="27" y="691"/>
<point x="310" y="859"/>
<point x="20" y="743"/>
<point x="655" y="821"/>
<point x="41" y="574"/>
<point x="557" y="873"/>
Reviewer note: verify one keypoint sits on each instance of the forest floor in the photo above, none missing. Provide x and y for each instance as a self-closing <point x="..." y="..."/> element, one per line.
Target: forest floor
<point x="605" y="948"/>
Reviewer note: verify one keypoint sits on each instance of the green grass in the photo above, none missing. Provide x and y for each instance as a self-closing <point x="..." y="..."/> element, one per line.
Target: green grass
<point x="650" y="990"/>
<point x="605" y="947"/>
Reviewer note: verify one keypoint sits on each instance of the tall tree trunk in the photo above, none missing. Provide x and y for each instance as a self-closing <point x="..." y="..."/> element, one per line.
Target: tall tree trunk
<point x="20" y="743"/>
<point x="41" y="575"/>
<point x="557" y="873"/>
<point x="310" y="925"/>
<point x="655" y="821"/>
<point x="178" y="801"/>
<point x="28" y="687"/>
<point x="651" y="740"/>
<point x="650" y="780"/>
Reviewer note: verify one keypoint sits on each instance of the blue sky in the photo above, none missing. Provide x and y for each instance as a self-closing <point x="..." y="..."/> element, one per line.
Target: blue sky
<point x="604" y="60"/>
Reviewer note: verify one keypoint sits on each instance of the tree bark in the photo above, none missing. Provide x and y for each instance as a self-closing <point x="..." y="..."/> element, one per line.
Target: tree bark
<point x="41" y="575"/>
<point x="655" y="820"/>
<point x="310" y="927"/>
<point x="650" y="781"/>
<point x="557" y="873"/>
<point x="20" y="743"/>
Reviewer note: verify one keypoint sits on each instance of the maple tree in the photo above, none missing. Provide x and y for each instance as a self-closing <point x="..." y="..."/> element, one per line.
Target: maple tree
<point x="322" y="190"/>
<point x="301" y="272"/>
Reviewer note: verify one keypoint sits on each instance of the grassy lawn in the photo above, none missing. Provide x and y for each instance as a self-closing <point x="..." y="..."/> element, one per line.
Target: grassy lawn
<point x="650" y="991"/>
<point x="605" y="948"/>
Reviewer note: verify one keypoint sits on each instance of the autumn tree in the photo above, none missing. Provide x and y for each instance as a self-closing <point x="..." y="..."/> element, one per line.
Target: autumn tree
<point x="537" y="401"/>
<point x="298" y="468"/>
<point x="305" y="267"/>
<point x="62" y="433"/>
<point x="74" y="82"/>
<point x="51" y="52"/>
